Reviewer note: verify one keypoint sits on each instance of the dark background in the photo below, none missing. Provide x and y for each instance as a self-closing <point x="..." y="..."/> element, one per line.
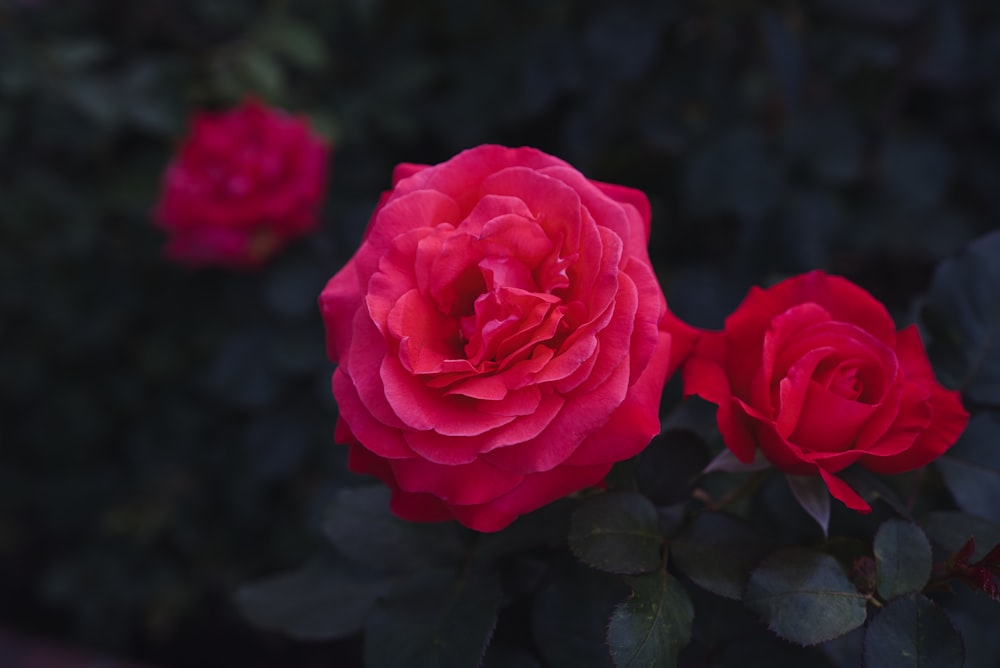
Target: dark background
<point x="166" y="434"/>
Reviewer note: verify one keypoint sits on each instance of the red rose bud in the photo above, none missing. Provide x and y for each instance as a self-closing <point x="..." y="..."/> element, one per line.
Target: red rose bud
<point x="501" y="337"/>
<point x="813" y="373"/>
<point x="242" y="185"/>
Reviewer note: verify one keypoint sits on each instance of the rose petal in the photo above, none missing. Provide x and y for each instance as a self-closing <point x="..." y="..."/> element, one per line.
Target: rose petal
<point x="704" y="376"/>
<point x="635" y="422"/>
<point x="462" y="484"/>
<point x="828" y="422"/>
<point x="407" y="505"/>
<point x="426" y="338"/>
<point x="937" y="421"/>
<point x="537" y="490"/>
<point x="421" y="408"/>
<point x="841" y="491"/>
<point x="784" y="328"/>
<point x="383" y="440"/>
<point x="400" y="215"/>
<point x="635" y="199"/>
<point x="793" y="390"/>
<point x="624" y="221"/>
<point x="580" y="416"/>
<point x="449" y="450"/>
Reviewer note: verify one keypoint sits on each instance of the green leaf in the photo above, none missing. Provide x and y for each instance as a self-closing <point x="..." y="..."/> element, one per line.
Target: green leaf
<point x="361" y="526"/>
<point x="433" y="621"/>
<point x="902" y="559"/>
<point x="962" y="311"/>
<point x="617" y="532"/>
<point x="913" y="631"/>
<point x="322" y="601"/>
<point x="650" y="628"/>
<point x="718" y="551"/>
<point x="814" y="497"/>
<point x="971" y="469"/>
<point x="804" y="596"/>
<point x="570" y="615"/>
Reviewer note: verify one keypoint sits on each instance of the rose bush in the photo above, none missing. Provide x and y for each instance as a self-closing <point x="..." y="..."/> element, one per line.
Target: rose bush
<point x="501" y="337"/>
<point x="813" y="373"/>
<point x="244" y="182"/>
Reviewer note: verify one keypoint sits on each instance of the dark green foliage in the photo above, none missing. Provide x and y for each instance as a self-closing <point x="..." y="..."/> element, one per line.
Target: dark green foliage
<point x="718" y="552"/>
<point x="321" y="601"/>
<point x="804" y="596"/>
<point x="617" y="532"/>
<point x="433" y="620"/>
<point x="570" y="615"/>
<point x="813" y="496"/>
<point x="951" y="530"/>
<point x="913" y="631"/>
<point x="963" y="310"/>
<point x="359" y="524"/>
<point x="902" y="559"/>
<point x="653" y="625"/>
<point x="971" y="469"/>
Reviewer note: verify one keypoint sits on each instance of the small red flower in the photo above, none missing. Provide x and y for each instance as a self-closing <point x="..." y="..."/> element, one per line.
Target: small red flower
<point x="813" y="373"/>
<point x="243" y="184"/>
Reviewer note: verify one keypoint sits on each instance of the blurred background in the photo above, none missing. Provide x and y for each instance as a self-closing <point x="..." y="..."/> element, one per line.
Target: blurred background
<point x="166" y="434"/>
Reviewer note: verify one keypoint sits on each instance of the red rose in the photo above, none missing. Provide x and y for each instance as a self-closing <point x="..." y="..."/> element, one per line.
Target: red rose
<point x="243" y="184"/>
<point x="501" y="337"/>
<point x="813" y="372"/>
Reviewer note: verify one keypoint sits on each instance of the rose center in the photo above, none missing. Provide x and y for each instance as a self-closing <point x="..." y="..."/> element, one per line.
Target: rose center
<point x="844" y="382"/>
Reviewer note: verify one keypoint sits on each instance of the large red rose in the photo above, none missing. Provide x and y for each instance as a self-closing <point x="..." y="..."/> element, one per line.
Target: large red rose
<point x="813" y="373"/>
<point x="501" y="337"/>
<point x="243" y="183"/>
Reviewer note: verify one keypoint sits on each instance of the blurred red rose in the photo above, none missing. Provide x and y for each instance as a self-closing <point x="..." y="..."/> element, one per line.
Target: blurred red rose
<point x="243" y="183"/>
<point x="813" y="373"/>
<point x="501" y="337"/>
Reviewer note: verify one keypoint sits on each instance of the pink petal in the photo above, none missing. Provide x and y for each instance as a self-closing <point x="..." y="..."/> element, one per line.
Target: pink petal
<point x="581" y="415"/>
<point x="462" y="484"/>
<point x="422" y="408"/>
<point x="536" y="491"/>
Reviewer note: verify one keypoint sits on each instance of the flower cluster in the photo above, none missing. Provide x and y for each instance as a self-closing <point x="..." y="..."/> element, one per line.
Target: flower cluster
<point x="502" y="341"/>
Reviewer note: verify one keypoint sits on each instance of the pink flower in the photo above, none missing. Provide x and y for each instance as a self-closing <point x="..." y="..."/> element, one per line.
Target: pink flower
<point x="243" y="184"/>
<point x="501" y="337"/>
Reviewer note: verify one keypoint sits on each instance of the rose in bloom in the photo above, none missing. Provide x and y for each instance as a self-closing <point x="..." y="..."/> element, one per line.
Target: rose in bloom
<point x="813" y="373"/>
<point x="243" y="183"/>
<point x="501" y="337"/>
